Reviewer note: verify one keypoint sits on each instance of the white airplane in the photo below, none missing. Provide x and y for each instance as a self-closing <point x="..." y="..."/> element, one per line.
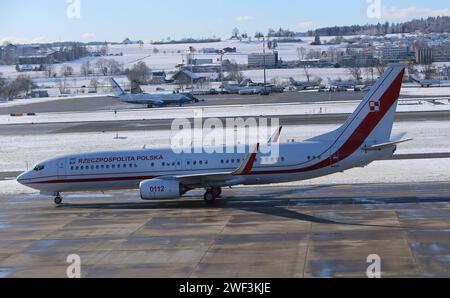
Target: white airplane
<point x="152" y="100"/>
<point x="161" y="174"/>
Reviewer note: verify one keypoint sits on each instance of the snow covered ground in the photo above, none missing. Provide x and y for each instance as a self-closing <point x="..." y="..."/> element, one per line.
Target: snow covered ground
<point x="218" y="111"/>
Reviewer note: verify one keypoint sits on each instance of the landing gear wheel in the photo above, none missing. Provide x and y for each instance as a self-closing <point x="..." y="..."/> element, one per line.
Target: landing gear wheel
<point x="209" y="197"/>
<point x="58" y="200"/>
<point x="217" y="191"/>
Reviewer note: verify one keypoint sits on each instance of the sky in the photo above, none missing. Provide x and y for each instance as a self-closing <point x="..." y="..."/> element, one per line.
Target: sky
<point x="24" y="21"/>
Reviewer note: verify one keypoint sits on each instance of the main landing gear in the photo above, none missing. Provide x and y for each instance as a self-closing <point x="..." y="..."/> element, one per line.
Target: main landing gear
<point x="58" y="199"/>
<point x="212" y="194"/>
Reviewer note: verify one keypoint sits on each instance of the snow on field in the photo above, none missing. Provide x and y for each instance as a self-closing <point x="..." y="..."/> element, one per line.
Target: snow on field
<point x="168" y="56"/>
<point x="216" y="111"/>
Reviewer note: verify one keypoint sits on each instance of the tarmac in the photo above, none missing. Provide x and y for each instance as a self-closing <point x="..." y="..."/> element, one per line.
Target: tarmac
<point x="87" y="104"/>
<point x="269" y="231"/>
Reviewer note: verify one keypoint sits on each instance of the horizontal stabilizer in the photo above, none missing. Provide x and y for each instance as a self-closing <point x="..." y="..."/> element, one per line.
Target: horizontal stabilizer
<point x="385" y="145"/>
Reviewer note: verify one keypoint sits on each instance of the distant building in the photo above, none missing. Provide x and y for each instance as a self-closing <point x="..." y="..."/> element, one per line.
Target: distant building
<point x="392" y="53"/>
<point x="186" y="77"/>
<point x="38" y="94"/>
<point x="358" y="59"/>
<point x="424" y="55"/>
<point x="441" y="53"/>
<point x="196" y="61"/>
<point x="158" y="77"/>
<point x="261" y="60"/>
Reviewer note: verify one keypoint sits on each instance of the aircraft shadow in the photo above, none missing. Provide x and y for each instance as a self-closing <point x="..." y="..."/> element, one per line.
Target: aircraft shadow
<point x="267" y="206"/>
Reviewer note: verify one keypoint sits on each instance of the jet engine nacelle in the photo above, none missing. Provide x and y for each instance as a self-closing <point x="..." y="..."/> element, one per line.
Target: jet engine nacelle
<point x="160" y="189"/>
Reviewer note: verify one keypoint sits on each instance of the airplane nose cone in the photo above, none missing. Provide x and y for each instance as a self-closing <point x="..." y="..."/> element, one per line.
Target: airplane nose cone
<point x="22" y="178"/>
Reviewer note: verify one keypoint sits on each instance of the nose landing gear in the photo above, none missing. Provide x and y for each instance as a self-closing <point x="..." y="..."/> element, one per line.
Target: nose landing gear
<point x="58" y="199"/>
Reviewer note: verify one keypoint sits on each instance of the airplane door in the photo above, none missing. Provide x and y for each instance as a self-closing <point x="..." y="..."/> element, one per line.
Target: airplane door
<point x="62" y="167"/>
<point x="335" y="157"/>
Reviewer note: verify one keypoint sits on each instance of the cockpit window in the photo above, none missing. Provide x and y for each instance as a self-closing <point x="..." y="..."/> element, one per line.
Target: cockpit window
<point x="39" y="168"/>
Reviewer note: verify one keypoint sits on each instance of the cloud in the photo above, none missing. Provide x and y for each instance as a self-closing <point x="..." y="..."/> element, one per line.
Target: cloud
<point x="305" y="25"/>
<point x="88" y="36"/>
<point x="412" y="12"/>
<point x="242" y="19"/>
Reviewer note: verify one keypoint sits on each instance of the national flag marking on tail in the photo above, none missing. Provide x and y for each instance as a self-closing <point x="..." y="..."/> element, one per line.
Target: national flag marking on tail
<point x="374" y="106"/>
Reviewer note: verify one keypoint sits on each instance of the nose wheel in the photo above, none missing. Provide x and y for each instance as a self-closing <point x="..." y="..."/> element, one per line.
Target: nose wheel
<point x="58" y="200"/>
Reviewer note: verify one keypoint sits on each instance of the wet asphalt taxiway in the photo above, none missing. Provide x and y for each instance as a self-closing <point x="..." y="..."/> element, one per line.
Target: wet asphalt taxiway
<point x="270" y="231"/>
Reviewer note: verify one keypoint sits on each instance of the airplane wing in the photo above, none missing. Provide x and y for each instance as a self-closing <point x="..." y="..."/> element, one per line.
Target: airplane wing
<point x="385" y="145"/>
<point x="218" y="179"/>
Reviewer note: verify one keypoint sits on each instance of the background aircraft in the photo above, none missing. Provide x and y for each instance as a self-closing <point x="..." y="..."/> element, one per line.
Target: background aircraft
<point x="341" y="85"/>
<point x="304" y="85"/>
<point x="426" y="83"/>
<point x="152" y="100"/>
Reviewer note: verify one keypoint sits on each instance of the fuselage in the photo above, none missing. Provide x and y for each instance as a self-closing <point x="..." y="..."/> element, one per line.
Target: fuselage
<point x="127" y="169"/>
<point x="158" y="100"/>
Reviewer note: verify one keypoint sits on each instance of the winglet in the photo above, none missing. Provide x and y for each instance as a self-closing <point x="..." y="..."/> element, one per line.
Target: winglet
<point x="247" y="165"/>
<point x="275" y="138"/>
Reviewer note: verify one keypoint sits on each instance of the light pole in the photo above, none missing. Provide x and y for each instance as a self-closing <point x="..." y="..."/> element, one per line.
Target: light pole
<point x="264" y="59"/>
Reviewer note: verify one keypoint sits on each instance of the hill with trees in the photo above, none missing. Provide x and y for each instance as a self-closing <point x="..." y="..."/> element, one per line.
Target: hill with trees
<point x="428" y="25"/>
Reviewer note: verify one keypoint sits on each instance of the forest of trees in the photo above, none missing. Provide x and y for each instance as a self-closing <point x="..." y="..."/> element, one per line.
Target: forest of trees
<point x="429" y="25"/>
